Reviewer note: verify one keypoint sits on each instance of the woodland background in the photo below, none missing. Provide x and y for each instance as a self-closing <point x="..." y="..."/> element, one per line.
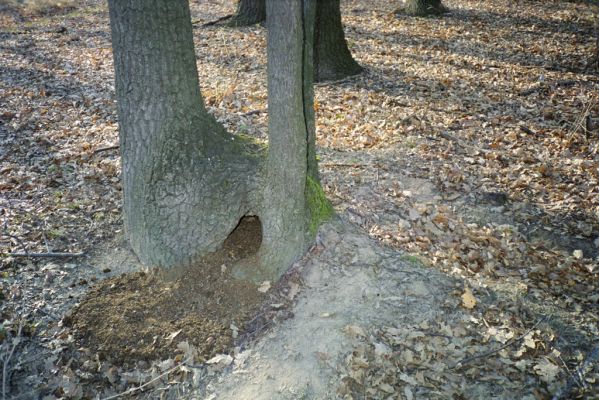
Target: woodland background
<point x="470" y="144"/>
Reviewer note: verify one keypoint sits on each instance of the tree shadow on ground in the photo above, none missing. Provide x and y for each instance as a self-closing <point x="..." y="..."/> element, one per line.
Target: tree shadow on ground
<point x="474" y="28"/>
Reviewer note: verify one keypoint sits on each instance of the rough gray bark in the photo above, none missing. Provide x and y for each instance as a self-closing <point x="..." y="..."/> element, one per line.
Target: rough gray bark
<point x="186" y="181"/>
<point x="424" y="7"/>
<point x="249" y="12"/>
<point x="285" y="216"/>
<point x="332" y="58"/>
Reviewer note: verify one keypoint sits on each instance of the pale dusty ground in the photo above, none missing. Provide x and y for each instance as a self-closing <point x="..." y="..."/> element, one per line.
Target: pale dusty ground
<point x="352" y="287"/>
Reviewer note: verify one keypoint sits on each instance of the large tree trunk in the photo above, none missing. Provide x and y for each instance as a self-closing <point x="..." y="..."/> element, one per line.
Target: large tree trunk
<point x="332" y="58"/>
<point x="424" y="7"/>
<point x="249" y="12"/>
<point x="186" y="181"/>
<point x="186" y="184"/>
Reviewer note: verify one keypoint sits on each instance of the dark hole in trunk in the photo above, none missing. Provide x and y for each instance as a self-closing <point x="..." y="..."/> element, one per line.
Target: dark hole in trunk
<point x="245" y="239"/>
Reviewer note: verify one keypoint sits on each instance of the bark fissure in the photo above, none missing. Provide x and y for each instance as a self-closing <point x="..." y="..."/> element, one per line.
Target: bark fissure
<point x="307" y="62"/>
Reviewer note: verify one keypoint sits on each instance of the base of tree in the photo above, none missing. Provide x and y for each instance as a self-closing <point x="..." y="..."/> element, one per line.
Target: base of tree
<point x="249" y="12"/>
<point x="429" y="11"/>
<point x="238" y="21"/>
<point x="334" y="73"/>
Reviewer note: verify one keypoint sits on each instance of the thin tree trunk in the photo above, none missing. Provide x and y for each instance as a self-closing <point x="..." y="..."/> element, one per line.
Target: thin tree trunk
<point x="249" y="12"/>
<point x="332" y="58"/>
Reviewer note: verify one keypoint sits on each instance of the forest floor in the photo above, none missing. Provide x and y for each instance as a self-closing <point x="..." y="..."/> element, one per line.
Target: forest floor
<point x="464" y="167"/>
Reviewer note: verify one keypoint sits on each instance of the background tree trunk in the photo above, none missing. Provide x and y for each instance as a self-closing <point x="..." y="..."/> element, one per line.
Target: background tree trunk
<point x="424" y="7"/>
<point x="332" y="58"/>
<point x="186" y="182"/>
<point x="249" y="12"/>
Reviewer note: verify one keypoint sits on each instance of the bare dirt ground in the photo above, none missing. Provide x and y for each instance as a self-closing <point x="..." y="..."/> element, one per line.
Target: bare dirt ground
<point x="464" y="167"/>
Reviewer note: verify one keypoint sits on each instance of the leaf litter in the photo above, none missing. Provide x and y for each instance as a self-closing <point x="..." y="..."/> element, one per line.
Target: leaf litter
<point x="470" y="144"/>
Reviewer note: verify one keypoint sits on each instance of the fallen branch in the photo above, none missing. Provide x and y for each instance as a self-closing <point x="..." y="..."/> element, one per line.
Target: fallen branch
<point x="333" y="165"/>
<point x="42" y="255"/>
<point x="210" y="23"/>
<point x="553" y="86"/>
<point x="459" y="142"/>
<point x="6" y="361"/>
<point x="102" y="149"/>
<point x="497" y="350"/>
<point x="578" y="376"/>
<point x="527" y="130"/>
<point x="255" y="112"/>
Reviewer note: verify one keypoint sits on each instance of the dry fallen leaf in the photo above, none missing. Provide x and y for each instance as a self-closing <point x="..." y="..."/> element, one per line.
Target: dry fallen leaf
<point x="220" y="360"/>
<point x="264" y="287"/>
<point x="294" y="289"/>
<point x="468" y="300"/>
<point x="385" y="387"/>
<point x="546" y="370"/>
<point x="173" y="335"/>
<point x="408" y="392"/>
<point x="354" y="331"/>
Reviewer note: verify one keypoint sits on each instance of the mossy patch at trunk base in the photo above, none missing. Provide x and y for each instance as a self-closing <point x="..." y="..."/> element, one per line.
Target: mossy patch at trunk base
<point x="319" y="207"/>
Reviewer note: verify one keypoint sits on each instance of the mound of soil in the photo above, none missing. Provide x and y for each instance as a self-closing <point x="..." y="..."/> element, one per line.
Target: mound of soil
<point x="143" y="316"/>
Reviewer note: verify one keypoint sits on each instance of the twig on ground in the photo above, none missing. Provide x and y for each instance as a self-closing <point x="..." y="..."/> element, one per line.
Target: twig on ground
<point x="554" y="85"/>
<point x="7" y="358"/>
<point x="527" y="130"/>
<point x="333" y="165"/>
<point x="103" y="149"/>
<point x="581" y="121"/>
<point x="148" y="383"/>
<point x="255" y="112"/>
<point x="497" y="350"/>
<point x="42" y="255"/>
<point x="214" y="22"/>
<point x="459" y="142"/>
<point x="578" y="377"/>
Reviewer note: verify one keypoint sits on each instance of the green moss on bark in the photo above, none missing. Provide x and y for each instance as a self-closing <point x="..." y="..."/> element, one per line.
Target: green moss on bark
<point x="319" y="207"/>
<point x="250" y="146"/>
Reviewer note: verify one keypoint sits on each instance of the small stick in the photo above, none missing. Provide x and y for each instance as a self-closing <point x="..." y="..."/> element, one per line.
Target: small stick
<point x="459" y="142"/>
<point x="141" y="387"/>
<point x="527" y="130"/>
<point x="7" y="360"/>
<point x="102" y="149"/>
<point x="216" y="21"/>
<point x="254" y="112"/>
<point x="578" y="378"/>
<point x="42" y="255"/>
<point x="497" y="350"/>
